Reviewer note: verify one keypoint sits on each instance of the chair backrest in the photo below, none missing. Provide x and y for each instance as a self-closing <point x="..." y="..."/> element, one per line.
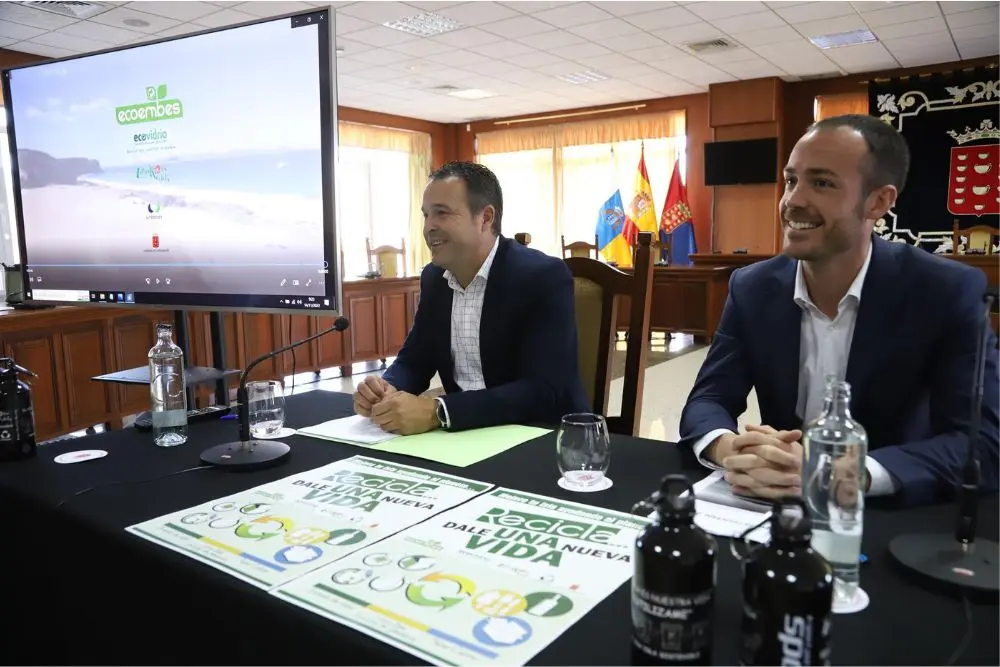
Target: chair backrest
<point x="580" y="248"/>
<point x="980" y="237"/>
<point x="524" y="238"/>
<point x="597" y="289"/>
<point x="388" y="261"/>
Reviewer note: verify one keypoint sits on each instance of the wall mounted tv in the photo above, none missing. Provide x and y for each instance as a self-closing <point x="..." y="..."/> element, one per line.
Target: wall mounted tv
<point x="194" y="172"/>
<point x="741" y="162"/>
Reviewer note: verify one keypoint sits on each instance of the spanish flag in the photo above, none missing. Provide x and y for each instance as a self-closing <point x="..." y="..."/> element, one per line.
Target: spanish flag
<point x="642" y="211"/>
<point x="611" y="221"/>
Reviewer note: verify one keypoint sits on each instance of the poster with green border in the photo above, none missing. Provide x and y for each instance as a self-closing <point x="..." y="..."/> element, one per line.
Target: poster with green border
<point x="273" y="533"/>
<point x="493" y="581"/>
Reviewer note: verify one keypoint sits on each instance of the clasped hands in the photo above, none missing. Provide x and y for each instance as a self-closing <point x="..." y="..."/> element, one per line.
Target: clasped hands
<point x="395" y="411"/>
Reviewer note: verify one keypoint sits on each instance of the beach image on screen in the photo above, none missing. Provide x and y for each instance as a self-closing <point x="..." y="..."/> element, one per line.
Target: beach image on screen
<point x="190" y="166"/>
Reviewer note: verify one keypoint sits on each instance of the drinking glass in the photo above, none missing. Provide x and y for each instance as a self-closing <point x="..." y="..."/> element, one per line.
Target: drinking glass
<point x="584" y="450"/>
<point x="266" y="407"/>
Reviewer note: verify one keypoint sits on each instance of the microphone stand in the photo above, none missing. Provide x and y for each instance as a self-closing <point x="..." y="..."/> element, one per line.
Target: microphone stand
<point x="959" y="561"/>
<point x="247" y="454"/>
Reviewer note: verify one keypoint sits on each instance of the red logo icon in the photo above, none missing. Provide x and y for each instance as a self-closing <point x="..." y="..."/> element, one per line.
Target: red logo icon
<point x="156" y="240"/>
<point x="973" y="180"/>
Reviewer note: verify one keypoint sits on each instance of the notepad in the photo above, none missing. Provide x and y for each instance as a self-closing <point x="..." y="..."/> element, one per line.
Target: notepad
<point x="718" y="511"/>
<point x="353" y="430"/>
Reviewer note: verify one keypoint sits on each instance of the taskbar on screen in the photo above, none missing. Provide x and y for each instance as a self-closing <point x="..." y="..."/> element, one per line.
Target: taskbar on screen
<point x="237" y="301"/>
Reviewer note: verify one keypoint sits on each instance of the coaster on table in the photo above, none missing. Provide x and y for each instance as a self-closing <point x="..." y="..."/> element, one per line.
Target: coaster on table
<point x="82" y="455"/>
<point x="603" y="485"/>
<point x="859" y="603"/>
<point x="283" y="433"/>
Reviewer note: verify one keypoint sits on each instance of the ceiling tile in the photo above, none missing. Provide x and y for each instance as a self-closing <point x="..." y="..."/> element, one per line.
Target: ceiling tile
<point x="182" y="29"/>
<point x="752" y="69"/>
<point x="380" y="74"/>
<point x="457" y="56"/>
<point x="626" y="8"/>
<point x="43" y="50"/>
<point x="526" y="7"/>
<point x="873" y="56"/>
<point x="813" y="11"/>
<point x="977" y="48"/>
<point x="422" y="47"/>
<point x="432" y="6"/>
<point x="956" y="7"/>
<point x="800" y="58"/>
<point x="658" y="53"/>
<point x="561" y="69"/>
<point x="747" y="22"/>
<point x="382" y="36"/>
<point x="182" y="11"/>
<point x="466" y="37"/>
<point x="534" y="59"/>
<point x="33" y="17"/>
<point x="720" y="10"/>
<point x="349" y="66"/>
<point x="345" y="24"/>
<point x="117" y="17"/>
<point x="975" y="17"/>
<point x="683" y="67"/>
<point x="501" y="49"/>
<point x="728" y="56"/>
<point x="831" y="26"/>
<point x="638" y="41"/>
<point x="478" y="13"/>
<point x="936" y="48"/>
<point x="516" y="26"/>
<point x="17" y="31"/>
<point x="670" y="17"/>
<point x="605" y="30"/>
<point x="223" y="18"/>
<point x="688" y="34"/>
<point x="374" y="12"/>
<point x="373" y="57"/>
<point x="98" y="32"/>
<point x="980" y="31"/>
<point x="497" y="67"/>
<point x="573" y="14"/>
<point x="605" y="62"/>
<point x="578" y="51"/>
<point x="553" y="39"/>
<point x="705" y="78"/>
<point x="908" y="12"/>
<point x="768" y="36"/>
<point x="911" y="28"/>
<point x="70" y="42"/>
<point x="635" y="72"/>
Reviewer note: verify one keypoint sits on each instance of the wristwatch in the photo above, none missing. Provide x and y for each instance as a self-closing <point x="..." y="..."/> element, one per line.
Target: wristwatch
<point x="442" y="414"/>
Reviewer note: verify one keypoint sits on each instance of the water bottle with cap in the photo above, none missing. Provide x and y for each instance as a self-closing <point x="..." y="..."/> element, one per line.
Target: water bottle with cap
<point x="787" y="594"/>
<point x="833" y="473"/>
<point x="167" y="393"/>
<point x="673" y="584"/>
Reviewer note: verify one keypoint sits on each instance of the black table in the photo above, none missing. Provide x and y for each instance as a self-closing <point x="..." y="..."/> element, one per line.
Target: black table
<point x="76" y="588"/>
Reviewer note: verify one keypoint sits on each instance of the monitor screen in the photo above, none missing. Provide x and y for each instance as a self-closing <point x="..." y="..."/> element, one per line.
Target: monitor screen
<point x="741" y="162"/>
<point x="195" y="172"/>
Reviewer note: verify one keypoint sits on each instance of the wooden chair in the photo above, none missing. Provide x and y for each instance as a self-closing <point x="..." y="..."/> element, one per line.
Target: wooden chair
<point x="580" y="248"/>
<point x="980" y="237"/>
<point x="597" y="289"/>
<point x="524" y="238"/>
<point x="388" y="261"/>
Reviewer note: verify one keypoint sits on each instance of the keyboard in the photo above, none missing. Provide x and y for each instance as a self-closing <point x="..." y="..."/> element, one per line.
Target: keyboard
<point x="144" y="422"/>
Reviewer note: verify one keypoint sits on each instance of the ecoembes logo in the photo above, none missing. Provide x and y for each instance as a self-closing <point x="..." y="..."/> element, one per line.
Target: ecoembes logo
<point x="156" y="107"/>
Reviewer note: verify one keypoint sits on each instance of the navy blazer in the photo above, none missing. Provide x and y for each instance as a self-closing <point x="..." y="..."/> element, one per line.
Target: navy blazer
<point x="527" y="343"/>
<point x="910" y="367"/>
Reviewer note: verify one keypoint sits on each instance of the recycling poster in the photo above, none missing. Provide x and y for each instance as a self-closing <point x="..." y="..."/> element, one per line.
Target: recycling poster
<point x="492" y="581"/>
<point x="273" y="533"/>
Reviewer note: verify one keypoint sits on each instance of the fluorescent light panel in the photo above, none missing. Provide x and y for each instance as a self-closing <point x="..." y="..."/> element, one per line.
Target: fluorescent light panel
<point x="424" y="25"/>
<point x="583" y="77"/>
<point x="844" y="39"/>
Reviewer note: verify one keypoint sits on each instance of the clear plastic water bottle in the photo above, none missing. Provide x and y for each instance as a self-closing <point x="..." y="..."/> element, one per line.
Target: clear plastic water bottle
<point x="833" y="485"/>
<point x="167" y="393"/>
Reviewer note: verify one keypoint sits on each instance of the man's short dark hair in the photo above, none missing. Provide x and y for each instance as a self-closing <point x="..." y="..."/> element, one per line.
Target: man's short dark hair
<point x="482" y="187"/>
<point x="888" y="154"/>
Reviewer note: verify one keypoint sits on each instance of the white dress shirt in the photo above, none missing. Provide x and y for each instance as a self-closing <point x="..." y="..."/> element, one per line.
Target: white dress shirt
<point x="466" y="315"/>
<point x="824" y="349"/>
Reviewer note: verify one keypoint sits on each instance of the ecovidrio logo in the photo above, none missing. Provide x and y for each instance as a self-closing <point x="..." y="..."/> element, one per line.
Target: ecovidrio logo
<point x="156" y="108"/>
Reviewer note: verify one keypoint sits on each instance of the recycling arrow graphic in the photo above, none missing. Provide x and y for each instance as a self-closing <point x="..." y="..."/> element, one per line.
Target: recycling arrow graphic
<point x="415" y="592"/>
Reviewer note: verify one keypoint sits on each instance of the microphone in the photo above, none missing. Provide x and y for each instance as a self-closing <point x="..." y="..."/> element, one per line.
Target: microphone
<point x="246" y="454"/>
<point x="959" y="561"/>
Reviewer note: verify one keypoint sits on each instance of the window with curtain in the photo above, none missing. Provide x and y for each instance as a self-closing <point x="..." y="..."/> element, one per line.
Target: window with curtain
<point x="827" y="106"/>
<point x="556" y="178"/>
<point x="382" y="173"/>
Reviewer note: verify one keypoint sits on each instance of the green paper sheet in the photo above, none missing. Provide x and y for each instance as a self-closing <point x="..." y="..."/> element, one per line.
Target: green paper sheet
<point x="463" y="448"/>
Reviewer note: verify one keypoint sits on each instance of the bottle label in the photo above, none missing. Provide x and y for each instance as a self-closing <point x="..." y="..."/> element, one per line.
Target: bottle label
<point x="672" y="627"/>
<point x="799" y="639"/>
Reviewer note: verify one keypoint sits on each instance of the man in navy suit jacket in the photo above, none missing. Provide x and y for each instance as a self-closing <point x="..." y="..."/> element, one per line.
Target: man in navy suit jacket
<point x="496" y="320"/>
<point x="897" y="323"/>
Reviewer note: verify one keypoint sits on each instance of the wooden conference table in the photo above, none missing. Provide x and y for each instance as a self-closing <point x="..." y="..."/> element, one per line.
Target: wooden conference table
<point x="75" y="588"/>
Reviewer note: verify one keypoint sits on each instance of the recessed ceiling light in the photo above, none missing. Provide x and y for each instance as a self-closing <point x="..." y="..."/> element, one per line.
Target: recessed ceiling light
<point x="136" y="23"/>
<point x="844" y="39"/>
<point x="583" y="77"/>
<point x="472" y="94"/>
<point x="424" y="25"/>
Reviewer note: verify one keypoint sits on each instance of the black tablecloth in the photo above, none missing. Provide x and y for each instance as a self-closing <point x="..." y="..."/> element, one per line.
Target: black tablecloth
<point x="76" y="588"/>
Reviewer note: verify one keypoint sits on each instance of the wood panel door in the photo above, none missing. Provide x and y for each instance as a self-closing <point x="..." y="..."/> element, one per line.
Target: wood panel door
<point x="131" y="339"/>
<point x="395" y="320"/>
<point x="365" y="343"/>
<point x="331" y="349"/>
<point x="85" y="355"/>
<point x="36" y="351"/>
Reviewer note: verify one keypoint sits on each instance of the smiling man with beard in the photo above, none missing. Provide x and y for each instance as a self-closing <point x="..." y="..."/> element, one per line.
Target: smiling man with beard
<point x="897" y="323"/>
<point x="496" y="321"/>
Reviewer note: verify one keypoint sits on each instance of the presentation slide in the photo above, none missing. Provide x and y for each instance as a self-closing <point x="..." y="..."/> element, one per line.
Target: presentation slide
<point x="189" y="166"/>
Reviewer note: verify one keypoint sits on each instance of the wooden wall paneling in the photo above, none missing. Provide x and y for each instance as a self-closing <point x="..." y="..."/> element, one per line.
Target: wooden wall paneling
<point x="35" y="350"/>
<point x="744" y="102"/>
<point x="365" y="335"/>
<point x="131" y="337"/>
<point x="84" y="355"/>
<point x="394" y="322"/>
<point x="331" y="349"/>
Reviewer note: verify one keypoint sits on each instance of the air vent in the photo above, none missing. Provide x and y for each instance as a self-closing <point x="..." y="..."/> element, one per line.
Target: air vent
<point x="77" y="10"/>
<point x="711" y="46"/>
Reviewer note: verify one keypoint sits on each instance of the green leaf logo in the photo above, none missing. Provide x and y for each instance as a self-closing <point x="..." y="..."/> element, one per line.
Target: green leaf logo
<point x="150" y="92"/>
<point x="161" y="92"/>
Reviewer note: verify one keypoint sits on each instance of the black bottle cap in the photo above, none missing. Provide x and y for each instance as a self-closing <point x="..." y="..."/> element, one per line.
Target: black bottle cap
<point x="790" y="520"/>
<point x="675" y="499"/>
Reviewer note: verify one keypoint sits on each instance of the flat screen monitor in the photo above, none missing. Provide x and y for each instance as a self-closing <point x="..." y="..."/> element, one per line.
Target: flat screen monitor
<point x="741" y="162"/>
<point x="195" y="172"/>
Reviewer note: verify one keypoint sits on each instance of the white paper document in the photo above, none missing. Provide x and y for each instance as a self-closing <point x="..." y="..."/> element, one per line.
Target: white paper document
<point x="718" y="511"/>
<point x="354" y="430"/>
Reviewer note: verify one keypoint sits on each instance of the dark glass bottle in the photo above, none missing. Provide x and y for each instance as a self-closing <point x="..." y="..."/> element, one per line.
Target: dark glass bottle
<point x="673" y="585"/>
<point x="17" y="418"/>
<point x="787" y="595"/>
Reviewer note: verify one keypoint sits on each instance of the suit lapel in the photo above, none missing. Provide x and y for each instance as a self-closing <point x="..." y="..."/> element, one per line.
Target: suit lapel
<point x="492" y="317"/>
<point x="786" y="340"/>
<point x="876" y="315"/>
<point x="443" y="301"/>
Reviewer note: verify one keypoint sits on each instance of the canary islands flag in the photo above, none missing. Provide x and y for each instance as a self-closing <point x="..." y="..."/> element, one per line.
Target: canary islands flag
<point x="611" y="221"/>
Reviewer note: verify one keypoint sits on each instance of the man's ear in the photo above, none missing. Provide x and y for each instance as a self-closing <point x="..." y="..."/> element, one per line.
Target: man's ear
<point x="489" y="213"/>
<point x="880" y="201"/>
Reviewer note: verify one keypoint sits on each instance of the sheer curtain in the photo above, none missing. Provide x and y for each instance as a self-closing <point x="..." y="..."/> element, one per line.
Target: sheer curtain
<point x="555" y="178"/>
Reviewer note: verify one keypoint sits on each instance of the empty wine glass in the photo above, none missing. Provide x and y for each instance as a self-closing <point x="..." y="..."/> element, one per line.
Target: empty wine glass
<point x="584" y="451"/>
<point x="266" y="406"/>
